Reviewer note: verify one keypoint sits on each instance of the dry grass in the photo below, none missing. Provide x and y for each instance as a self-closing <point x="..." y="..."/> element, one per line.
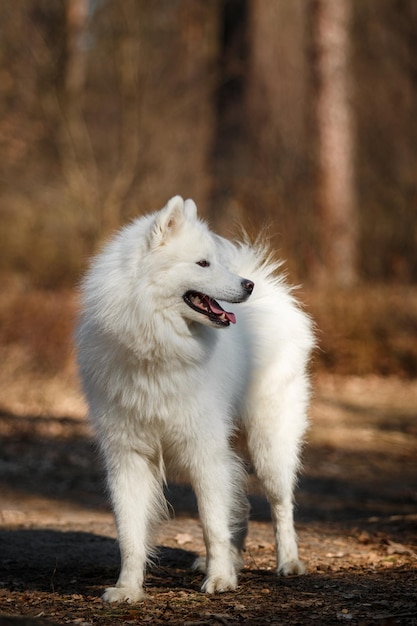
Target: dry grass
<point x="39" y="325"/>
<point x="371" y="329"/>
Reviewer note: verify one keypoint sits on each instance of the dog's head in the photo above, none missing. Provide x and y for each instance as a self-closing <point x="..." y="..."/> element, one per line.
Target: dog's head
<point x="186" y="267"/>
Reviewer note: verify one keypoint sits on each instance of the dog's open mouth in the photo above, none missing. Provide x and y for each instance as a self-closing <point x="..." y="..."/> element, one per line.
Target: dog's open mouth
<point x="207" y="306"/>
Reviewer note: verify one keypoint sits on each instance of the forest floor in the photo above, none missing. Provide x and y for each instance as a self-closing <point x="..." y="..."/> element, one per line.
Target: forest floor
<point x="356" y="518"/>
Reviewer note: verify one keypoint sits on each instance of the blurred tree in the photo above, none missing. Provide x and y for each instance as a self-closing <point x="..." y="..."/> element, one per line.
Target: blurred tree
<point x="278" y="178"/>
<point x="150" y="86"/>
<point x="278" y="82"/>
<point x="229" y="155"/>
<point x="178" y="64"/>
<point x="103" y="199"/>
<point x="385" y="64"/>
<point x="76" y="151"/>
<point x="336" y="187"/>
<point x="107" y="108"/>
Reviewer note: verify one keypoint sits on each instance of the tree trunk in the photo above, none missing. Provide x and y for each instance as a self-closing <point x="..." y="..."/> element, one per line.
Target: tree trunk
<point x="336" y="195"/>
<point x="278" y="181"/>
<point x="76" y="152"/>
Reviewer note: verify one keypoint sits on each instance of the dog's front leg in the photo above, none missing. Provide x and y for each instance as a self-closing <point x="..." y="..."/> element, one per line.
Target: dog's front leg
<point x="217" y="481"/>
<point x="138" y="503"/>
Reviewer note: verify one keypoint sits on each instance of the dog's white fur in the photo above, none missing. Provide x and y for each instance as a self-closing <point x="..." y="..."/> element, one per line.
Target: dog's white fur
<point x="167" y="389"/>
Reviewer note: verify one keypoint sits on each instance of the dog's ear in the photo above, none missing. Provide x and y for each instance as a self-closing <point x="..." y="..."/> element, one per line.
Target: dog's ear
<point x="190" y="208"/>
<point x="167" y="221"/>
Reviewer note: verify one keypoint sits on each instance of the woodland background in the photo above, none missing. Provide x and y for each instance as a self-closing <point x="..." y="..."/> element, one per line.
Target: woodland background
<point x="300" y="115"/>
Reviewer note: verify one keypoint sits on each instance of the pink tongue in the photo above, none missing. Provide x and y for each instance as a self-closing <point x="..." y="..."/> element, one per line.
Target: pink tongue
<point x="231" y="317"/>
<point x="217" y="309"/>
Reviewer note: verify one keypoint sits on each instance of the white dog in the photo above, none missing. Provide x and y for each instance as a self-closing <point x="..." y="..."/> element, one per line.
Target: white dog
<point x="167" y="390"/>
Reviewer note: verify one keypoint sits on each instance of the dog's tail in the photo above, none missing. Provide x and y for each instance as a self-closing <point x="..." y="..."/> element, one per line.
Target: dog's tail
<point x="252" y="259"/>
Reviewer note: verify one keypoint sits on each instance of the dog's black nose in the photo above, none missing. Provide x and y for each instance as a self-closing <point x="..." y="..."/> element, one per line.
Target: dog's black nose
<point x="248" y="285"/>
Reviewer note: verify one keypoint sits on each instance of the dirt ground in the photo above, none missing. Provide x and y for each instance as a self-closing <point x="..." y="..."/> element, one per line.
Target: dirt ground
<point x="356" y="519"/>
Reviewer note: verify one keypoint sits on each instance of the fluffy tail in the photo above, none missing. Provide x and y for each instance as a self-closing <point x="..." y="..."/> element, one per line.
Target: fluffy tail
<point x="251" y="259"/>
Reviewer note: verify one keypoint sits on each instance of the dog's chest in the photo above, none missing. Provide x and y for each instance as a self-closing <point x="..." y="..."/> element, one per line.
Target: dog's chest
<point x="153" y="390"/>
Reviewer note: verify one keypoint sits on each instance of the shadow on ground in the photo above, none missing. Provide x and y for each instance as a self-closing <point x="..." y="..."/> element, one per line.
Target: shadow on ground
<point x="55" y="460"/>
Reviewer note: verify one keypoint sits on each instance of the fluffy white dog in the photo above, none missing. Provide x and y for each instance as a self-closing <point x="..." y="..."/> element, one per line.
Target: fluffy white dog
<point x="170" y="374"/>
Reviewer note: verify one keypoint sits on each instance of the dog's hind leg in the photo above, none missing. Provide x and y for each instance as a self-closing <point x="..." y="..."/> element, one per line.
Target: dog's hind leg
<point x="240" y="519"/>
<point x="138" y="502"/>
<point x="274" y="439"/>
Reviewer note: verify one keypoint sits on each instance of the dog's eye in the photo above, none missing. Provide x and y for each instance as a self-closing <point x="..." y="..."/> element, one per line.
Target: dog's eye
<point x="203" y="263"/>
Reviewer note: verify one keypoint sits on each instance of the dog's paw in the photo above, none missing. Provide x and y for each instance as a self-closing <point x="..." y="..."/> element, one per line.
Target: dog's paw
<point x="123" y="594"/>
<point x="200" y="564"/>
<point x="292" y="568"/>
<point x="219" y="584"/>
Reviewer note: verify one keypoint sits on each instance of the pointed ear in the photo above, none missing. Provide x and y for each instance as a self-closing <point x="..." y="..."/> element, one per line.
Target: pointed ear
<point x="167" y="221"/>
<point x="190" y="209"/>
